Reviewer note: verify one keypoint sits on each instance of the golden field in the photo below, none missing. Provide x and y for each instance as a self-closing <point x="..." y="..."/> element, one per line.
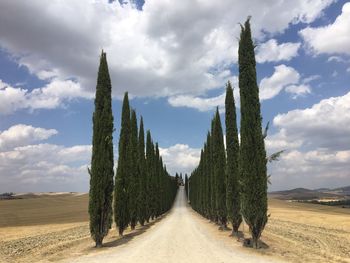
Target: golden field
<point x="49" y="228"/>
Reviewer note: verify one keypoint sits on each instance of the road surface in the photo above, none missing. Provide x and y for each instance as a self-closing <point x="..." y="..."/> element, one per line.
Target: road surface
<point x="179" y="237"/>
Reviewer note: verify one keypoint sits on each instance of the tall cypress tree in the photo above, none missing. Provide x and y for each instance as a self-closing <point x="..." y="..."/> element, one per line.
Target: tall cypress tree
<point x="208" y="160"/>
<point x="156" y="181"/>
<point x="133" y="190"/>
<point x="212" y="171"/>
<point x="101" y="173"/>
<point x="150" y="171"/>
<point x="233" y="202"/>
<point x="121" y="210"/>
<point x="252" y="150"/>
<point x="219" y="160"/>
<point x="142" y="200"/>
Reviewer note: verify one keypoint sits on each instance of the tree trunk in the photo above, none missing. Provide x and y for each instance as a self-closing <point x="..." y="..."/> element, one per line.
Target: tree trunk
<point x="98" y="243"/>
<point x="132" y="225"/>
<point x="255" y="242"/>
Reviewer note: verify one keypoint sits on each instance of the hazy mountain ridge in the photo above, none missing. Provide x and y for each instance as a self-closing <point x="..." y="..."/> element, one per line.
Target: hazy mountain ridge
<point x="309" y="194"/>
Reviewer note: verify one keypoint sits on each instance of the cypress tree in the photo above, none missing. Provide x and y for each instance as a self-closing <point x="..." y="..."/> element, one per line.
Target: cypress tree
<point x="252" y="150"/>
<point x="233" y="202"/>
<point x="161" y="186"/>
<point x="156" y="182"/>
<point x="212" y="177"/>
<point x="142" y="200"/>
<point x="205" y="182"/>
<point x="219" y="160"/>
<point x="133" y="183"/>
<point x="208" y="160"/>
<point x="101" y="173"/>
<point x="121" y="210"/>
<point x="150" y="172"/>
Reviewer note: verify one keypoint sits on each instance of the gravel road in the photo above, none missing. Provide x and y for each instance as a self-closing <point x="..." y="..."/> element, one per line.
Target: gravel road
<point x="179" y="237"/>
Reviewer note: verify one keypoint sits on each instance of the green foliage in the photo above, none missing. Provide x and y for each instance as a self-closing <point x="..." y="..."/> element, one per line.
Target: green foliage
<point x="150" y="177"/>
<point x="207" y="185"/>
<point x="121" y="209"/>
<point x="142" y="196"/>
<point x="186" y="185"/>
<point x="233" y="203"/>
<point x="133" y="190"/>
<point x="252" y="151"/>
<point x="101" y="172"/>
<point x="219" y="161"/>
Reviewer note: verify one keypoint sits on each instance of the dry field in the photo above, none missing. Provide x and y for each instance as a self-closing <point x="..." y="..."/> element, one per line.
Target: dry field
<point x="50" y="228"/>
<point x="300" y="232"/>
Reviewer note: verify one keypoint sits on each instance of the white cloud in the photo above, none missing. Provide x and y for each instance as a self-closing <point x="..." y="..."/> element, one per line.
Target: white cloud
<point x="180" y="158"/>
<point x="20" y="135"/>
<point x="325" y="125"/>
<point x="51" y="96"/>
<point x="45" y="166"/>
<point x="298" y="90"/>
<point x="284" y="78"/>
<point x="331" y="39"/>
<point x="336" y="59"/>
<point x="271" y="51"/>
<point x="25" y="166"/>
<point x="311" y="169"/>
<point x="201" y="104"/>
<point x="310" y="79"/>
<point x="170" y="48"/>
<point x="206" y="104"/>
<point x="281" y="78"/>
<point x="317" y="144"/>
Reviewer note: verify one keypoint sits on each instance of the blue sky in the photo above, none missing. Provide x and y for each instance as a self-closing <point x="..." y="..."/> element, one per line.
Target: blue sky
<point x="174" y="58"/>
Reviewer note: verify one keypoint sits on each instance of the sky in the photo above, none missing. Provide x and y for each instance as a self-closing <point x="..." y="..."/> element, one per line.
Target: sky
<point x="174" y="58"/>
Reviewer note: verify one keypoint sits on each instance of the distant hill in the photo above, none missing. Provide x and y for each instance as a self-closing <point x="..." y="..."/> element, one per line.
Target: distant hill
<point x="11" y="196"/>
<point x="308" y="194"/>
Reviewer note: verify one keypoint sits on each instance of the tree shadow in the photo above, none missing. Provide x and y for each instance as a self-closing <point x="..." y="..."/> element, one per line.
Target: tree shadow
<point x="247" y="242"/>
<point x="134" y="233"/>
<point x="239" y="235"/>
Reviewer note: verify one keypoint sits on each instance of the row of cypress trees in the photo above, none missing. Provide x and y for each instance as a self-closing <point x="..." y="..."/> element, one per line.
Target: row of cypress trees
<point x="232" y="186"/>
<point x="143" y="189"/>
<point x="207" y="184"/>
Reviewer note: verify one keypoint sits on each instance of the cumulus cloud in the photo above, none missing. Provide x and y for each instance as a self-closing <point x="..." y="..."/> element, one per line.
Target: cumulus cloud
<point x="271" y="51"/>
<point x="51" y="96"/>
<point x="317" y="144"/>
<point x="180" y="158"/>
<point x="45" y="166"/>
<point x="311" y="169"/>
<point x="201" y="104"/>
<point x="336" y="59"/>
<point x="206" y="103"/>
<point x="25" y="166"/>
<point x="318" y="38"/>
<point x="325" y="125"/>
<point x="281" y="78"/>
<point x="298" y="90"/>
<point x="20" y="135"/>
<point x="284" y="78"/>
<point x="169" y="48"/>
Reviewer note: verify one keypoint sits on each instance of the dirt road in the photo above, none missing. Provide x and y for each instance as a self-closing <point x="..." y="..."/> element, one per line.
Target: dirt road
<point x="179" y="237"/>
